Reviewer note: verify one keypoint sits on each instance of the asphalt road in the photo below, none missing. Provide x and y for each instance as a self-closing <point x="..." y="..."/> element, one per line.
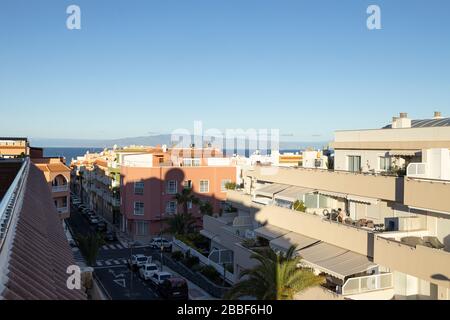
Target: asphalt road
<point x="111" y="268"/>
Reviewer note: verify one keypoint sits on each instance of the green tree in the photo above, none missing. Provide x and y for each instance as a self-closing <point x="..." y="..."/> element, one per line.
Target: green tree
<point x="89" y="246"/>
<point x="206" y="208"/>
<point x="185" y="197"/>
<point x="276" y="277"/>
<point x="180" y="224"/>
<point x="299" y="206"/>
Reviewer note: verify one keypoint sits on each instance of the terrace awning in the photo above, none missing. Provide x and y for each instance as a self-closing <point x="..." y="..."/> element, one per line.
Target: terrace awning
<point x="406" y="153"/>
<point x="284" y="242"/>
<point x="270" y="232"/>
<point x="333" y="194"/>
<point x="293" y="193"/>
<point x="207" y="234"/>
<point x="362" y="199"/>
<point x="270" y="190"/>
<point x="335" y="261"/>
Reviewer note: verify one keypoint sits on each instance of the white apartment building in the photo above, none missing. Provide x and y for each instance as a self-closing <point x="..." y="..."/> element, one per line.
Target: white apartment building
<point x="391" y="236"/>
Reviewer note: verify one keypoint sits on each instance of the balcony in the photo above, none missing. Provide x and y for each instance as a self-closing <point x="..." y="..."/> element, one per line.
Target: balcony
<point x="362" y="287"/>
<point x="419" y="261"/>
<point x="359" y="184"/>
<point x="427" y="194"/>
<point x="60" y="188"/>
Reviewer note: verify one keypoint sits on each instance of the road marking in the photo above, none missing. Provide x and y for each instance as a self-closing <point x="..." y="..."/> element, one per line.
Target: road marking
<point x="112" y="246"/>
<point x="119" y="246"/>
<point x="120" y="282"/>
<point x="116" y="262"/>
<point x="105" y="247"/>
<point x="124" y="261"/>
<point x="108" y="263"/>
<point x="99" y="263"/>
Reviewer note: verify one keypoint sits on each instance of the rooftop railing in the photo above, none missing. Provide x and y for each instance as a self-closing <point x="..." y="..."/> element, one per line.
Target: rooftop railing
<point x="376" y="282"/>
<point x="8" y="204"/>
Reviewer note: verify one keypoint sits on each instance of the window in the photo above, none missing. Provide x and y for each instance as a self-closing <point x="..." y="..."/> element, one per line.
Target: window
<point x="354" y="163"/>
<point x="142" y="229"/>
<point x="223" y="184"/>
<point x="171" y="186"/>
<point x="139" y="187"/>
<point x="187" y="184"/>
<point x="139" y="208"/>
<point x="171" y="207"/>
<point x="191" y="162"/>
<point x="204" y="186"/>
<point x="385" y="163"/>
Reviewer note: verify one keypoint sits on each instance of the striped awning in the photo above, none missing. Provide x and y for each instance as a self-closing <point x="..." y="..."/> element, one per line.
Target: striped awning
<point x="270" y="189"/>
<point x="362" y="199"/>
<point x="293" y="193"/>
<point x="407" y="153"/>
<point x="335" y="261"/>
<point x="333" y="194"/>
<point x="284" y="242"/>
<point x="270" y="232"/>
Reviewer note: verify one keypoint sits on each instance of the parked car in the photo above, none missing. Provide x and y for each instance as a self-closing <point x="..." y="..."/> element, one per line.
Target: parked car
<point x="85" y="210"/>
<point x="138" y="260"/>
<point x="147" y="270"/>
<point x="101" y="226"/>
<point x="159" y="276"/>
<point x="174" y="288"/>
<point x="81" y="207"/>
<point x="110" y="236"/>
<point x="156" y="243"/>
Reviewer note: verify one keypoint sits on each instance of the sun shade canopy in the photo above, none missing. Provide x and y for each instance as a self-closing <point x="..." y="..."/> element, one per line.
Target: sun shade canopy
<point x="270" y="190"/>
<point x="293" y="193"/>
<point x="284" y="242"/>
<point x="270" y="232"/>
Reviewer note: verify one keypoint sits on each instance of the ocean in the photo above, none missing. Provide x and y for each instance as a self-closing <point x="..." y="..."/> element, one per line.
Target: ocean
<point x="69" y="153"/>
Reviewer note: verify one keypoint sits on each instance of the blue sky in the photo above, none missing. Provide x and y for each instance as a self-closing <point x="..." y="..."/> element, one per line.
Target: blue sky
<point x="305" y="67"/>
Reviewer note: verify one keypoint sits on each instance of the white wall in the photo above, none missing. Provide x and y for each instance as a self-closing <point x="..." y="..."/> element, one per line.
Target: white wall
<point x="144" y="160"/>
<point x="369" y="158"/>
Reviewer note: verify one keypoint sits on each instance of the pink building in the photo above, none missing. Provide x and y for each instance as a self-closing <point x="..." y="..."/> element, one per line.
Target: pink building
<point x="150" y="181"/>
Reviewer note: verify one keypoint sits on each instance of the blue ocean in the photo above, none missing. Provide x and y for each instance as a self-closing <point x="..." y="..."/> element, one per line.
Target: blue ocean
<point x="69" y="153"/>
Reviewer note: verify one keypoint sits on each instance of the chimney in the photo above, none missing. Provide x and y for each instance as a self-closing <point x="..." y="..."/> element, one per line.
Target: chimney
<point x="437" y="115"/>
<point x="394" y="122"/>
<point x="403" y="121"/>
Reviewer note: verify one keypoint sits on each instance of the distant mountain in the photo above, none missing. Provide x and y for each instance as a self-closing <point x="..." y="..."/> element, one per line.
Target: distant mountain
<point x="150" y="141"/>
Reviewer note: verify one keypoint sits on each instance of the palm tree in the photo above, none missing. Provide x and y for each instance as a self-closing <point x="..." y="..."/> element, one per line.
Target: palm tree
<point x="277" y="277"/>
<point x="186" y="197"/>
<point x="89" y="246"/>
<point x="206" y="208"/>
<point x="180" y="224"/>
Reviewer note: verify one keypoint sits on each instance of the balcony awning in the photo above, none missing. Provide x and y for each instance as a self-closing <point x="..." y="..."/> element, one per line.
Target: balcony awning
<point x="270" y="232"/>
<point x="270" y="190"/>
<point x="333" y="194"/>
<point x="207" y="234"/>
<point x="362" y="199"/>
<point x="406" y="153"/>
<point x="293" y="194"/>
<point x="335" y="261"/>
<point x="284" y="242"/>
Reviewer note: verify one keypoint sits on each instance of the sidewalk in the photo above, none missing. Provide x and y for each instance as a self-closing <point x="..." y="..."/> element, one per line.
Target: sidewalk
<point x="195" y="292"/>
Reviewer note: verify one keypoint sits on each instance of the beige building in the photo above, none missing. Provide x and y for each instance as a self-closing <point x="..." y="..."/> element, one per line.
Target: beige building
<point x="376" y="231"/>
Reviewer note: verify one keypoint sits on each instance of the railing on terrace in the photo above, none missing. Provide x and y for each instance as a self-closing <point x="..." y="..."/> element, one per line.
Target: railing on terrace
<point x="376" y="282"/>
<point x="204" y="260"/>
<point x="9" y="201"/>
<point x="418" y="169"/>
<point x="60" y="188"/>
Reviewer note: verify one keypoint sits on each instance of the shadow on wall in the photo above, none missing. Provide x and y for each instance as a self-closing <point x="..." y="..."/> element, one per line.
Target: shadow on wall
<point x="147" y="202"/>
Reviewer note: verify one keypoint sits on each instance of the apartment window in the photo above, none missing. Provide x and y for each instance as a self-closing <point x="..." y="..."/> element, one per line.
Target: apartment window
<point x="139" y="187"/>
<point x="204" y="186"/>
<point x="187" y="184"/>
<point x="223" y="184"/>
<point x="385" y="163"/>
<point x="141" y="228"/>
<point x="138" y="208"/>
<point x="171" y="186"/>
<point x="171" y="207"/>
<point x="354" y="163"/>
<point x="191" y="162"/>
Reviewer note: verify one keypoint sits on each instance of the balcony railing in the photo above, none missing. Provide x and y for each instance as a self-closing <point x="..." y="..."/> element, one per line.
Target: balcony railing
<point x="62" y="209"/>
<point x="370" y="283"/>
<point x="60" y="188"/>
<point x="418" y="170"/>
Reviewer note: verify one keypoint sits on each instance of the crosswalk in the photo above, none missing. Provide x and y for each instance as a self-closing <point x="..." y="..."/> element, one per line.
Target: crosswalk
<point x="112" y="247"/>
<point x="111" y="262"/>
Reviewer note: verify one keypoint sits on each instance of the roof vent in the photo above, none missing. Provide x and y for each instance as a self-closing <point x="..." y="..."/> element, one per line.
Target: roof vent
<point x="403" y="115"/>
<point x="402" y="122"/>
<point x="437" y="115"/>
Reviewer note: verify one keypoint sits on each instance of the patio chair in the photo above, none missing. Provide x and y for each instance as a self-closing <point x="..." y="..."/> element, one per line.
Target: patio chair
<point x="434" y="242"/>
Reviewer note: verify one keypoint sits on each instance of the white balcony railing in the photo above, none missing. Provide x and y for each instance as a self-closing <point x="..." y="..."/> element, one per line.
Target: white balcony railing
<point x="417" y="169"/>
<point x="370" y="283"/>
<point x="62" y="209"/>
<point x="60" y="188"/>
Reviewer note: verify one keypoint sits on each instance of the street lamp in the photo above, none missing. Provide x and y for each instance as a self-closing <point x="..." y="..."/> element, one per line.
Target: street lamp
<point x="131" y="244"/>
